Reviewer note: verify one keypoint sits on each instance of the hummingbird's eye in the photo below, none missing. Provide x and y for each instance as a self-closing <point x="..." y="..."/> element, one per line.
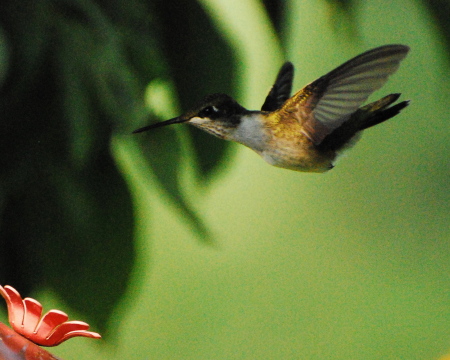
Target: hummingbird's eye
<point x="209" y="111"/>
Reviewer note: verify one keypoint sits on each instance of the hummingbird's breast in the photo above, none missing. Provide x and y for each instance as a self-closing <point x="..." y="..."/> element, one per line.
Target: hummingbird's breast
<point x="297" y="155"/>
<point x="289" y="148"/>
<point x="281" y="142"/>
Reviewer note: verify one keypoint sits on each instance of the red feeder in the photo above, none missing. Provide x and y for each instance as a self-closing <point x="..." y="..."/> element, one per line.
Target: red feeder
<point x="31" y="330"/>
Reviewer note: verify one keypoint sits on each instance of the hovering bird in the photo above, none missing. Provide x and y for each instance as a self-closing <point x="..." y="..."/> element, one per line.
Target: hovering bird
<point x="305" y="132"/>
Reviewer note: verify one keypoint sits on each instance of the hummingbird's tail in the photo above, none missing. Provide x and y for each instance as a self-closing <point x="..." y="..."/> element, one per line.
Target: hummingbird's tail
<point x="380" y="111"/>
<point x="367" y="116"/>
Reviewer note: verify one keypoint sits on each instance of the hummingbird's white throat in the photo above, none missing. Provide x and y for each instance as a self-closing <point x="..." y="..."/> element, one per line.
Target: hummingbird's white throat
<point x="250" y="132"/>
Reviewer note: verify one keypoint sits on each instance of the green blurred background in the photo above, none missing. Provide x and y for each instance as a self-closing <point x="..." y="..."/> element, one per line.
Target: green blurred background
<point x="176" y="245"/>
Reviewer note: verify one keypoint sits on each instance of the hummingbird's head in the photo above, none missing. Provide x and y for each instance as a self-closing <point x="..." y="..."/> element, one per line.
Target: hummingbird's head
<point x="217" y="114"/>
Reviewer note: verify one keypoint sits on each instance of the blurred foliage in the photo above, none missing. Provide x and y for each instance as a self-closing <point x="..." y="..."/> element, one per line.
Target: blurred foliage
<point x="195" y="53"/>
<point x="72" y="73"/>
<point x="275" y="9"/>
<point x="67" y="214"/>
<point x="440" y="10"/>
<point x="166" y="149"/>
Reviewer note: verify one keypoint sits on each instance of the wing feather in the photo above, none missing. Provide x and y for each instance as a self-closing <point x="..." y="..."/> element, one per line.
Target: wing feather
<point x="341" y="92"/>
<point x="281" y="89"/>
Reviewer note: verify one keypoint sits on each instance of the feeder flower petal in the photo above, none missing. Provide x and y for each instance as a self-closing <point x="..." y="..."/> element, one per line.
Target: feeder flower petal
<point x="50" y="330"/>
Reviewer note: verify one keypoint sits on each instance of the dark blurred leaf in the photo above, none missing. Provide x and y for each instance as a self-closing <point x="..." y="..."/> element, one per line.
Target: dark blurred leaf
<point x="202" y="63"/>
<point x="135" y="21"/>
<point x="4" y="57"/>
<point x="93" y="265"/>
<point x="67" y="225"/>
<point x="73" y="235"/>
<point x="275" y="9"/>
<point x="342" y="16"/>
<point x="440" y="10"/>
<point x="120" y="92"/>
<point x="66" y="212"/>
<point x="163" y="153"/>
<point x="25" y="26"/>
<point x="105" y="72"/>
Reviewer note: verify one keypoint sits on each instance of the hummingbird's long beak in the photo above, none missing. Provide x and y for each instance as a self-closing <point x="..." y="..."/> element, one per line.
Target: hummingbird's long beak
<point x="176" y="120"/>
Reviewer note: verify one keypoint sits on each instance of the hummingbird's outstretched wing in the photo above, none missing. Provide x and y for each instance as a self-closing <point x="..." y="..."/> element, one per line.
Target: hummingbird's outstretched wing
<point x="325" y="104"/>
<point x="281" y="90"/>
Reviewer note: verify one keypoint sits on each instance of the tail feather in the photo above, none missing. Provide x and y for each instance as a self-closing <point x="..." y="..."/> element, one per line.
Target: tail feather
<point x="364" y="118"/>
<point x="385" y="114"/>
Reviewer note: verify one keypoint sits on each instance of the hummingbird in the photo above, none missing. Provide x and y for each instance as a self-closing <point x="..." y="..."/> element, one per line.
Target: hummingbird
<point x="309" y="130"/>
